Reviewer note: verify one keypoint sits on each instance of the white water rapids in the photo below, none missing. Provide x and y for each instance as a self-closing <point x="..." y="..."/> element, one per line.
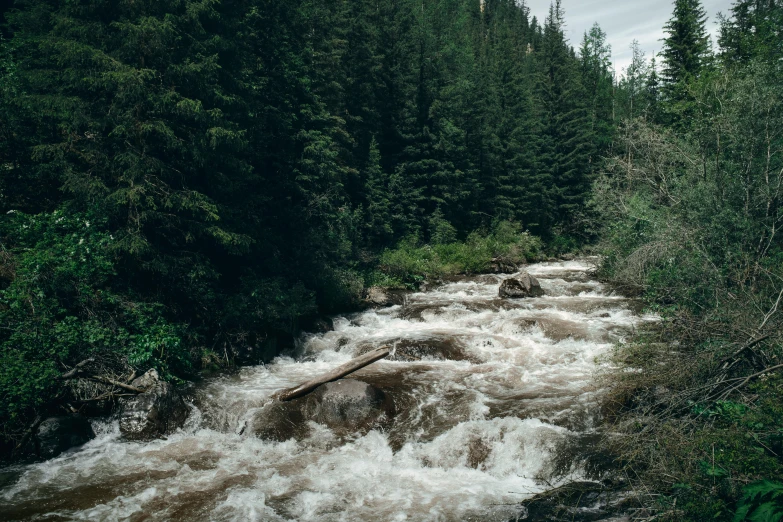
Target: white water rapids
<point x="495" y="390"/>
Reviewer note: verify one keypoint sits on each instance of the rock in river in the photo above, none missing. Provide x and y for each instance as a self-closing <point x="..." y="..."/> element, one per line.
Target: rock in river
<point x="500" y="265"/>
<point x="58" y="434"/>
<point x="377" y="296"/>
<point x="345" y="406"/>
<point x="524" y="285"/>
<point x="348" y="404"/>
<point x="156" y="412"/>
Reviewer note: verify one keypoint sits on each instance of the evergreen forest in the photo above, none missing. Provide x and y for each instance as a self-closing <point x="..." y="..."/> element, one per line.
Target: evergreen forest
<point x="186" y="185"/>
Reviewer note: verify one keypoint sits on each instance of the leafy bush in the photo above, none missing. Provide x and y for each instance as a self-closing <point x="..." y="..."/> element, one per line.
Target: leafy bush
<point x="59" y="307"/>
<point x="761" y="502"/>
<point x="692" y="220"/>
<point x="410" y="263"/>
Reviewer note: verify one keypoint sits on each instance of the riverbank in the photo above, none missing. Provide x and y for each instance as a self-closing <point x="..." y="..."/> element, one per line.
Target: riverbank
<point x="695" y="441"/>
<point x="694" y="405"/>
<point x="61" y="314"/>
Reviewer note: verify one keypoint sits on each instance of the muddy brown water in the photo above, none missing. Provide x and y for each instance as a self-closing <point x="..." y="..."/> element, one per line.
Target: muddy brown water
<point x="494" y="401"/>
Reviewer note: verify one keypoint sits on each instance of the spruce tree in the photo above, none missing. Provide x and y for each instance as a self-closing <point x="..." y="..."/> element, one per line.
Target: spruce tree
<point x="754" y="30"/>
<point x="686" y="49"/>
<point x="567" y="142"/>
<point x="362" y="82"/>
<point x="653" y="93"/>
<point x="598" y="81"/>
<point x="378" y="218"/>
<point x="632" y="99"/>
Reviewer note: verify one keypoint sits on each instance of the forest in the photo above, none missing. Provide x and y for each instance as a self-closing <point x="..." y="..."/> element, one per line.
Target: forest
<point x="186" y="185"/>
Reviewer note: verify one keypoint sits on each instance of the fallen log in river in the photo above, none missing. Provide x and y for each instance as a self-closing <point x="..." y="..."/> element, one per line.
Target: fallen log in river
<point x="338" y="373"/>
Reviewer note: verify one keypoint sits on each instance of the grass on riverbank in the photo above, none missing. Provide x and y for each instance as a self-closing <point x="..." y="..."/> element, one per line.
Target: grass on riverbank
<point x="412" y="262"/>
<point x="691" y="447"/>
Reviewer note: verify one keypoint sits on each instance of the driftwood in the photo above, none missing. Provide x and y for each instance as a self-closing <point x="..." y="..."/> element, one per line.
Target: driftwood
<point x="746" y="380"/>
<point x="73" y="373"/>
<point x="338" y="373"/>
<point x="106" y="380"/>
<point x="77" y="372"/>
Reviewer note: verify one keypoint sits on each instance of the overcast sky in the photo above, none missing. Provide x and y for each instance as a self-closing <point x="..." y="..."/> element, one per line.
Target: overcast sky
<point x="624" y="21"/>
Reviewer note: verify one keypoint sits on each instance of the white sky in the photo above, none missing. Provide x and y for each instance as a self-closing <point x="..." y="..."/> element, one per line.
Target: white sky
<point x="624" y="21"/>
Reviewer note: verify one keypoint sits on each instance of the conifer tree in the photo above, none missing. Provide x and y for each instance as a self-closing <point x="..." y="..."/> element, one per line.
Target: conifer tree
<point x="633" y="87"/>
<point x="567" y="144"/>
<point x="653" y="93"/>
<point x="686" y="49"/>
<point x="378" y="219"/>
<point x="753" y="30"/>
<point x="598" y="81"/>
<point x="362" y="84"/>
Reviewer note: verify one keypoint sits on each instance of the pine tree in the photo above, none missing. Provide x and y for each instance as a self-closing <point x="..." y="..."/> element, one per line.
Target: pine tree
<point x="754" y="29"/>
<point x="531" y="183"/>
<point x="513" y="118"/>
<point x="633" y="99"/>
<point x="598" y="80"/>
<point x="686" y="49"/>
<point x="653" y="93"/>
<point x="378" y="218"/>
<point x="362" y="82"/>
<point x="567" y="142"/>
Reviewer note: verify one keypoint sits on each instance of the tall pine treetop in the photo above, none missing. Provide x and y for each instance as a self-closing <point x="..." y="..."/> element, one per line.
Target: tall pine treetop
<point x="754" y="30"/>
<point x="687" y="44"/>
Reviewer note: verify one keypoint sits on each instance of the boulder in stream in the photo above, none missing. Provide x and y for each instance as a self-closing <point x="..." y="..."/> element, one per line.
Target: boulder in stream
<point x="524" y="285"/>
<point x="377" y="296"/>
<point x="434" y="347"/>
<point x="154" y="413"/>
<point x="58" y="434"/>
<point x="500" y="265"/>
<point x="348" y="404"/>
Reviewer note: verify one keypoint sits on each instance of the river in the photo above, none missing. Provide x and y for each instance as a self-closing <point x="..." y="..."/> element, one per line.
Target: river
<point x="488" y="392"/>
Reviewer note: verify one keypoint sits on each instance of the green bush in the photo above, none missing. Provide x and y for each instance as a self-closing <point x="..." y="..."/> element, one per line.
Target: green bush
<point x="59" y="307"/>
<point x="411" y="263"/>
<point x="761" y="502"/>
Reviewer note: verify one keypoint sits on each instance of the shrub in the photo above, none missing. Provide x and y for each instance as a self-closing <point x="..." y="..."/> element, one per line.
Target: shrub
<point x="692" y="220"/>
<point x="410" y="262"/>
<point x="60" y="306"/>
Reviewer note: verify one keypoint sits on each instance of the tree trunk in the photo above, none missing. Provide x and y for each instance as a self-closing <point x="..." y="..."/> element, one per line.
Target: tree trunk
<point x="338" y="373"/>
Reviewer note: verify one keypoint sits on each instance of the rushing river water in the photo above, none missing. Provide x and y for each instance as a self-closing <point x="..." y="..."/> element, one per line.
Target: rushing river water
<point x="487" y="391"/>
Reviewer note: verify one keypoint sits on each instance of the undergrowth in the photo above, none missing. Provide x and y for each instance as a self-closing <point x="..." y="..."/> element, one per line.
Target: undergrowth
<point x="696" y="403"/>
<point x="412" y="262"/>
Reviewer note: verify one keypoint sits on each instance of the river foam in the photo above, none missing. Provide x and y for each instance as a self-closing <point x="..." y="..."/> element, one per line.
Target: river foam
<point x="486" y="391"/>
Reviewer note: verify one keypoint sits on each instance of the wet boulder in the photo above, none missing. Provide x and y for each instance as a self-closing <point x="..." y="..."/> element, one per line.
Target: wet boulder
<point x="58" y="434"/>
<point x="345" y="406"/>
<point x="320" y="324"/>
<point x="580" y="502"/>
<point x="279" y="421"/>
<point x="154" y="413"/>
<point x="437" y="348"/>
<point x="378" y="296"/>
<point x="349" y="405"/>
<point x="500" y="265"/>
<point x="524" y="285"/>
